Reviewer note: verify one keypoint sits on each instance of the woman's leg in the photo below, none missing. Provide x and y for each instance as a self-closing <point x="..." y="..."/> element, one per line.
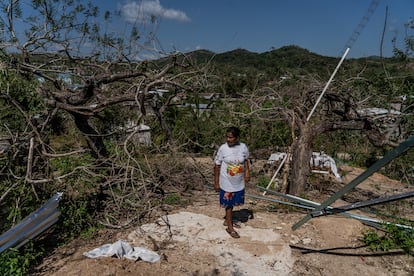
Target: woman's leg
<point x="227" y="201"/>
<point x="229" y="218"/>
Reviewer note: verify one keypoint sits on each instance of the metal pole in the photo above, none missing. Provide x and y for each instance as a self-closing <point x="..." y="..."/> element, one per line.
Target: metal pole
<point x="327" y="84"/>
<point x="367" y="220"/>
<point x="361" y="204"/>
<point x="279" y="201"/>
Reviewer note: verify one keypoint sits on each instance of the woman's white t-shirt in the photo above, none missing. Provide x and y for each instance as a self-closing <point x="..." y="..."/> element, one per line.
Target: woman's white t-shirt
<point x="232" y="168"/>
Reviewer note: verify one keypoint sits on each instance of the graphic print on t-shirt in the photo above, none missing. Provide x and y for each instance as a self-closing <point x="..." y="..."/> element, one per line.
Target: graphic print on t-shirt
<point x="234" y="169"/>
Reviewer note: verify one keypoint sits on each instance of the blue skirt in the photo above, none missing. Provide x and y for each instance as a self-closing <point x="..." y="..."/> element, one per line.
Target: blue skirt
<point x="231" y="199"/>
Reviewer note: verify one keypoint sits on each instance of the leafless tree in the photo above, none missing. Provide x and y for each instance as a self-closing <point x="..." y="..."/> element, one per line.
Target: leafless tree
<point x="344" y="106"/>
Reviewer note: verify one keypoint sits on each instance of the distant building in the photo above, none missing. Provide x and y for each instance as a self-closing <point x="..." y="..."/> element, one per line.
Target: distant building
<point x="65" y="77"/>
<point x="142" y="133"/>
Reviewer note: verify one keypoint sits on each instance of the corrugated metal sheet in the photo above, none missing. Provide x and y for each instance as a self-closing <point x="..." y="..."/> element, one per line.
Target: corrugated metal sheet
<point x="32" y="225"/>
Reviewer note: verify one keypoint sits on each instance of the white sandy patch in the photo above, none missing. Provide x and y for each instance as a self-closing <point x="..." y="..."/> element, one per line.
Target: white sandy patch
<point x="257" y="252"/>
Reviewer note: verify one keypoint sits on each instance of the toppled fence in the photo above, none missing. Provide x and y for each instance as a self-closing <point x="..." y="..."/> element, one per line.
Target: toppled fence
<point x="399" y="150"/>
<point x="33" y="225"/>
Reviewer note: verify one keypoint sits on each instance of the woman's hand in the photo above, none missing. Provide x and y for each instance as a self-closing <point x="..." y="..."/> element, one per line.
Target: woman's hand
<point x="246" y="178"/>
<point x="216" y="187"/>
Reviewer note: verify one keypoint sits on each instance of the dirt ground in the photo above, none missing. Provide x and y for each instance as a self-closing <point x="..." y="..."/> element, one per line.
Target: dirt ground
<point x="193" y="241"/>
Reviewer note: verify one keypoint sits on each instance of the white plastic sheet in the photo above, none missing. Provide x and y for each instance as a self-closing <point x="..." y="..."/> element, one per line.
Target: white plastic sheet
<point x="323" y="160"/>
<point x="318" y="159"/>
<point x="122" y="249"/>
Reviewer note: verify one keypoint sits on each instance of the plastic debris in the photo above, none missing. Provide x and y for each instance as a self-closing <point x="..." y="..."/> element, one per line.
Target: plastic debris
<point x="122" y="249"/>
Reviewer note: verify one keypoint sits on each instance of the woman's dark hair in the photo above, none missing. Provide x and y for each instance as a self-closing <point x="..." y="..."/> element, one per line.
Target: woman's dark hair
<point x="234" y="130"/>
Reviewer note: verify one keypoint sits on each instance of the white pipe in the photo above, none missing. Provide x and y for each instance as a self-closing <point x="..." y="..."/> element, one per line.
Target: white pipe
<point x="327" y="84"/>
<point x="274" y="175"/>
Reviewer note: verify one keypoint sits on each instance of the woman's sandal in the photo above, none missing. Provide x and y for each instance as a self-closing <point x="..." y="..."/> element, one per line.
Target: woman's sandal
<point x="233" y="233"/>
<point x="235" y="224"/>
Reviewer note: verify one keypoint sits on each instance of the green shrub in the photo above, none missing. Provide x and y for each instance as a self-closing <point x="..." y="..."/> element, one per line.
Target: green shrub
<point x="15" y="262"/>
<point x="394" y="237"/>
<point x="76" y="218"/>
<point x="172" y="199"/>
<point x="263" y="181"/>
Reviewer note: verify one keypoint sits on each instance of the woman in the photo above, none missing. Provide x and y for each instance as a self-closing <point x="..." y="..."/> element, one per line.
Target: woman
<point x="231" y="172"/>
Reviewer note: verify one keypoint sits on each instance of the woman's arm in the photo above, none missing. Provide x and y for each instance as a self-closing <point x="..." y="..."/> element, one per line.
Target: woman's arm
<point x="246" y="171"/>
<point x="216" y="178"/>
